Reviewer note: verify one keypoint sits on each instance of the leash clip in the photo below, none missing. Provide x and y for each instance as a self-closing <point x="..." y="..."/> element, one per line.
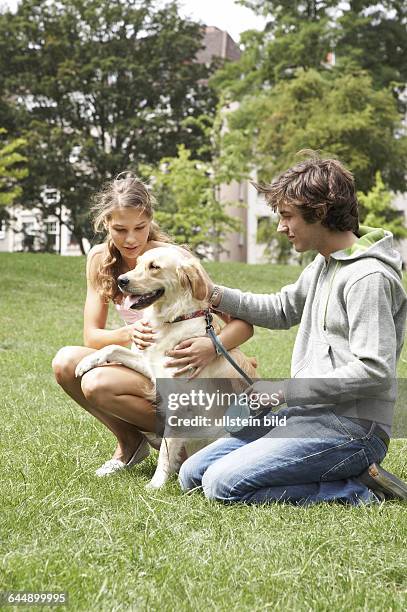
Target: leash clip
<point x="208" y="320"/>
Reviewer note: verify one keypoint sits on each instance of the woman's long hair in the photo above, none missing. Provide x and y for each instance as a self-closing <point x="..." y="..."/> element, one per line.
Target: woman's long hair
<point x="125" y="191"/>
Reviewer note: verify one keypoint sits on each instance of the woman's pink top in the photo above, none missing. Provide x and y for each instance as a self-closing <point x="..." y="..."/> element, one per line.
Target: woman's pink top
<point x="128" y="315"/>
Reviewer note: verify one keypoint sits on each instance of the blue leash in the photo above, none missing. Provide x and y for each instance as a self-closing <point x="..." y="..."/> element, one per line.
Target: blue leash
<point x="211" y="333"/>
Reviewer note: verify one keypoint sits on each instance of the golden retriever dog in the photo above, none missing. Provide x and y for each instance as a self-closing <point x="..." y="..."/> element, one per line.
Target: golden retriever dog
<point x="167" y="283"/>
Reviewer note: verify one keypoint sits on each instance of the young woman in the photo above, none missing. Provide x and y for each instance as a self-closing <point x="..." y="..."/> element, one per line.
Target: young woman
<point x="114" y="394"/>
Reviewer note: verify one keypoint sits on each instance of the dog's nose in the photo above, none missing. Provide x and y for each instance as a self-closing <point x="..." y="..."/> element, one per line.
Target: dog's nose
<point x="123" y="281"/>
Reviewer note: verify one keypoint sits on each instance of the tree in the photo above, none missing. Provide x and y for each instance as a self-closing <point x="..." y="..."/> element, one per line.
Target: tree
<point x="368" y="35"/>
<point x="188" y="208"/>
<point x="278" y="249"/>
<point x="324" y="75"/>
<point x="343" y="116"/>
<point x="299" y="35"/>
<point x="373" y="36"/>
<point x="12" y="169"/>
<point x="377" y="210"/>
<point x="97" y="88"/>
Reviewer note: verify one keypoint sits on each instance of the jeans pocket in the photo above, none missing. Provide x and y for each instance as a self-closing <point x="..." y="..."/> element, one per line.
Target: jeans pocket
<point x="348" y="427"/>
<point x="353" y="465"/>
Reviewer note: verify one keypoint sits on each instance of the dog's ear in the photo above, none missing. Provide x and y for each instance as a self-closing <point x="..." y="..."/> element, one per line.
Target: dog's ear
<point x="192" y="276"/>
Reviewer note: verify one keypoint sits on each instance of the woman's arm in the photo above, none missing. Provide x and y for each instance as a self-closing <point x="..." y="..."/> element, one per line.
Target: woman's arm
<point x="95" y="313"/>
<point x="235" y="332"/>
<point x="199" y="352"/>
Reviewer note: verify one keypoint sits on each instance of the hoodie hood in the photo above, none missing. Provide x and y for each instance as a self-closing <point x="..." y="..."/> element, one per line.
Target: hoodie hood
<point x="373" y="242"/>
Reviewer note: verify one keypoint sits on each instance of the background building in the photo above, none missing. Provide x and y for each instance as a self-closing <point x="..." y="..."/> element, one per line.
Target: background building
<point x="29" y="230"/>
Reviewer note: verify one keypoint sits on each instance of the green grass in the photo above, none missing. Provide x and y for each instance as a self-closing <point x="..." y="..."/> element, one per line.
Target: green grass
<point x="114" y="546"/>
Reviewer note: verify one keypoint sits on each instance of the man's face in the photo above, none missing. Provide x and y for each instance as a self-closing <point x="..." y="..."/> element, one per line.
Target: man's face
<point x="304" y="236"/>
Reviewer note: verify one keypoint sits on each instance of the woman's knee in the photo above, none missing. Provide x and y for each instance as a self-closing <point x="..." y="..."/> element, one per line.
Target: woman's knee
<point x="64" y="363"/>
<point x="96" y="385"/>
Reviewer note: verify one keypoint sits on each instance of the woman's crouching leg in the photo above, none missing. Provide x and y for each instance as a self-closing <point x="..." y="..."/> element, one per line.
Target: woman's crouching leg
<point x="65" y="362"/>
<point x="122" y="393"/>
<point x="112" y="394"/>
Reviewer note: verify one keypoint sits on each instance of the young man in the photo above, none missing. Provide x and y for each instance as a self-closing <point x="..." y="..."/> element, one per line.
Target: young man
<point x="351" y="309"/>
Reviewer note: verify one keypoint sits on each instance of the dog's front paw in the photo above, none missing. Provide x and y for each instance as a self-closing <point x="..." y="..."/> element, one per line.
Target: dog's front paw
<point x="157" y="481"/>
<point x="92" y="361"/>
<point x="86" y="364"/>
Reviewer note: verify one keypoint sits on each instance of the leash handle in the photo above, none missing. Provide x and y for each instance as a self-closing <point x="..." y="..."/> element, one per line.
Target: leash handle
<point x="211" y="333"/>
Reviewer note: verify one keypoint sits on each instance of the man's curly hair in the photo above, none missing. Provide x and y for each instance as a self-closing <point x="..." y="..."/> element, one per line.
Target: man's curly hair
<point x="322" y="189"/>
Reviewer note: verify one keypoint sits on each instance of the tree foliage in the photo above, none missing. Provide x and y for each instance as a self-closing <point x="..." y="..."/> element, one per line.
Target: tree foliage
<point x="373" y="36"/>
<point x="369" y="35"/>
<point x="188" y="206"/>
<point x="277" y="248"/>
<point x="343" y="116"/>
<point x="279" y="10"/>
<point x="377" y="209"/>
<point x="96" y="88"/>
<point x="12" y="169"/>
<point x="323" y="75"/>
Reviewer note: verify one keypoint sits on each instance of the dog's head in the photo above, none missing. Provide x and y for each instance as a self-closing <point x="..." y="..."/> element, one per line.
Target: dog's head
<point x="163" y="274"/>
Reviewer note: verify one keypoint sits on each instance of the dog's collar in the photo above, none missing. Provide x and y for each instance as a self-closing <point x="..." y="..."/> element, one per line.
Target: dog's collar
<point x="190" y="315"/>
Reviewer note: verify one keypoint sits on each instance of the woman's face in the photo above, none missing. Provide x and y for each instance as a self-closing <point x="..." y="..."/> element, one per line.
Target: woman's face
<point x="129" y="229"/>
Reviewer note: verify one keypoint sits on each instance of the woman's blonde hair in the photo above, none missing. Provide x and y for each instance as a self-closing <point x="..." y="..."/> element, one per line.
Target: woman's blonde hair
<point x="125" y="191"/>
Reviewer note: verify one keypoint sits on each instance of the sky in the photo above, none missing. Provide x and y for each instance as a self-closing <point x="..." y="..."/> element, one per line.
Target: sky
<point x="224" y="14"/>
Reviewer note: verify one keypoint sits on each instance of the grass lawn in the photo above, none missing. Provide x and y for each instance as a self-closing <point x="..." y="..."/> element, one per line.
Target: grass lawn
<point x="111" y="544"/>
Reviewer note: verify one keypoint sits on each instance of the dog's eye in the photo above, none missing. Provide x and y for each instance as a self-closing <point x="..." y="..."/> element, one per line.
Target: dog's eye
<point x="153" y="266"/>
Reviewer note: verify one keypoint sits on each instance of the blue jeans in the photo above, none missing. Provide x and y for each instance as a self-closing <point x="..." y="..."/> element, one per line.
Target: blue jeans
<point x="317" y="460"/>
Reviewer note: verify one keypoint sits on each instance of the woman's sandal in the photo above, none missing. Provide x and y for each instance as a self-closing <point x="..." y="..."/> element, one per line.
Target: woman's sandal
<point x="116" y="465"/>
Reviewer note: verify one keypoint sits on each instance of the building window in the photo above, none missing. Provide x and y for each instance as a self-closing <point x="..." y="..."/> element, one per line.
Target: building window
<point x="51" y="196"/>
<point x="51" y="227"/>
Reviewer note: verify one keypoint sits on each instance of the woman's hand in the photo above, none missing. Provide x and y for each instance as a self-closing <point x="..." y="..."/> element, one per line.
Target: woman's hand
<point x="192" y="356"/>
<point x="141" y="334"/>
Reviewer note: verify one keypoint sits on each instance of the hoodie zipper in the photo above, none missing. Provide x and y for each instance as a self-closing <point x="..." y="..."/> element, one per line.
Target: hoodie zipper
<point x="329" y="293"/>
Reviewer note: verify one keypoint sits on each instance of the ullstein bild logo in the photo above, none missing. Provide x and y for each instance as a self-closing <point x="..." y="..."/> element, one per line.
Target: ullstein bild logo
<point x="226" y="421"/>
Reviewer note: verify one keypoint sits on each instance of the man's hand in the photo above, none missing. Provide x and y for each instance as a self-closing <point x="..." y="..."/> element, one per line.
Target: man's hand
<point x="267" y="393"/>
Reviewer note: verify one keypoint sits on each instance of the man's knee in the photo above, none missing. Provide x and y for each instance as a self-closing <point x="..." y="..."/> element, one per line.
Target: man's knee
<point x="64" y="364"/>
<point x="215" y="483"/>
<point x="190" y="474"/>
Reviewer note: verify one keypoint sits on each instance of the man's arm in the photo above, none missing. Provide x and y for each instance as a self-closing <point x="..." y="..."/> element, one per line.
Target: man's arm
<point x="276" y="311"/>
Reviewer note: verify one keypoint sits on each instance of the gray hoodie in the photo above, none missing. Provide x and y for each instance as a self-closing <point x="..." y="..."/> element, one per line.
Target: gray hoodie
<point x="351" y="312"/>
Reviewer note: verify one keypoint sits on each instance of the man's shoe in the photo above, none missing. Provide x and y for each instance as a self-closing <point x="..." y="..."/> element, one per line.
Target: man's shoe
<point x="383" y="483"/>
